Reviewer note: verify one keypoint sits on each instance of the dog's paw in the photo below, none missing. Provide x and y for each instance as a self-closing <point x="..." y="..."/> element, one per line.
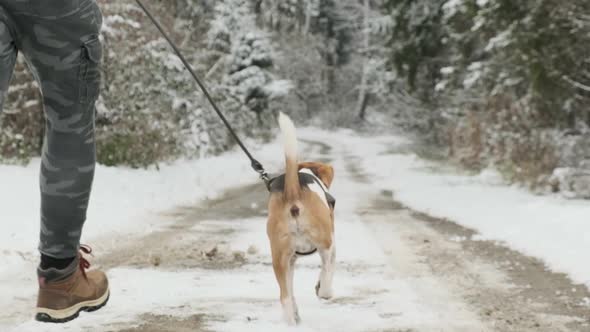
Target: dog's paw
<point x="291" y="313"/>
<point x="323" y="292"/>
<point x="293" y="320"/>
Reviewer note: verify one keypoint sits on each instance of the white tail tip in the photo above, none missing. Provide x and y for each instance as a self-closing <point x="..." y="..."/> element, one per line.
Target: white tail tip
<point x="289" y="135"/>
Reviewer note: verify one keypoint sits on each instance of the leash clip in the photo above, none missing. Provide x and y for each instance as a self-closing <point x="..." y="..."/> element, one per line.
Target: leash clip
<point x="257" y="166"/>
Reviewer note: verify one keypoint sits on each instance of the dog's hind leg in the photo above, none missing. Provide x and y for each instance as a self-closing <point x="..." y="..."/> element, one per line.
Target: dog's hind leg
<point x="323" y="288"/>
<point x="283" y="264"/>
<point x="290" y="276"/>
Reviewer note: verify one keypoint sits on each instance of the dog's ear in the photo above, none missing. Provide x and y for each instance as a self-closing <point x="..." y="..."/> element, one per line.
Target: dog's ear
<point x="323" y="171"/>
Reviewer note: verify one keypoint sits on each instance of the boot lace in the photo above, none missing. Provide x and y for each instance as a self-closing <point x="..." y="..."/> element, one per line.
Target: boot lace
<point x="84" y="263"/>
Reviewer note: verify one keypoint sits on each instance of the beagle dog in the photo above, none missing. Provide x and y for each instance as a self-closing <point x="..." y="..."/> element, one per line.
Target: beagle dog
<point x="300" y="221"/>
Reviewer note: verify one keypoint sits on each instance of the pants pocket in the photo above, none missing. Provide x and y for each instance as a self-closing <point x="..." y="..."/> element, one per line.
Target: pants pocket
<point x="90" y="70"/>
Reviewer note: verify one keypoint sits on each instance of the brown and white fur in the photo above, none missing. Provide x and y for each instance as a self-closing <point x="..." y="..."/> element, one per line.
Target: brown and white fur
<point x="300" y="220"/>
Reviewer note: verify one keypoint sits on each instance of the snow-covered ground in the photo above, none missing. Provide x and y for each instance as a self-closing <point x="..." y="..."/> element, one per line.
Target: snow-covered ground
<point x="127" y="201"/>
<point x="124" y="202"/>
<point x="122" y="198"/>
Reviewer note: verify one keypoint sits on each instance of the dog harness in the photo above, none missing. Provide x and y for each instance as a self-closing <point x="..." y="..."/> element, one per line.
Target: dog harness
<point x="307" y="179"/>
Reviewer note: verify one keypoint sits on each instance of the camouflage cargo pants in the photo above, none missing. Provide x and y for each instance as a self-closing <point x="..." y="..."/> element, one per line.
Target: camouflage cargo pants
<point x="59" y="40"/>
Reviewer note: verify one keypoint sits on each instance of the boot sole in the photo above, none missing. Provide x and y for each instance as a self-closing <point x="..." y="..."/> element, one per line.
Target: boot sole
<point x="47" y="315"/>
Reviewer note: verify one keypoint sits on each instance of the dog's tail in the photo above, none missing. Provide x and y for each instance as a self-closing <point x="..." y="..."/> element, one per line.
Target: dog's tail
<point x="292" y="190"/>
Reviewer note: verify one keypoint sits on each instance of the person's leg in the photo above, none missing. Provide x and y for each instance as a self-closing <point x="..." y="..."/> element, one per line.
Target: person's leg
<point x="61" y="45"/>
<point x="64" y="54"/>
<point x="8" y="53"/>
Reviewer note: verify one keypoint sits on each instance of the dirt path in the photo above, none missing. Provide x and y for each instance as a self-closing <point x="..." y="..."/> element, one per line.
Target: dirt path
<point x="436" y="275"/>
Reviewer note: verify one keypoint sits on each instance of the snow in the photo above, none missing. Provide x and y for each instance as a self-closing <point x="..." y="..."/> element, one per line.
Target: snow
<point x="111" y="22"/>
<point x="248" y="301"/>
<point x="478" y="22"/>
<point x="451" y="7"/>
<point x="278" y="88"/>
<point x="447" y="70"/>
<point x="500" y="41"/>
<point x="440" y="86"/>
<point x="475" y="72"/>
<point x="482" y="3"/>
<point x="118" y="19"/>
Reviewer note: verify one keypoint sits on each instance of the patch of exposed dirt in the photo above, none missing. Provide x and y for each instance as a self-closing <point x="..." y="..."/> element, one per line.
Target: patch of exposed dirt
<point x="184" y="244"/>
<point x="162" y="323"/>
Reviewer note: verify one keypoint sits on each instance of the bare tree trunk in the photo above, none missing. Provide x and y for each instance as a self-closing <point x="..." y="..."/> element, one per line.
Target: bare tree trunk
<point x="363" y="106"/>
<point x="308" y="9"/>
<point x="363" y="98"/>
<point x="275" y="15"/>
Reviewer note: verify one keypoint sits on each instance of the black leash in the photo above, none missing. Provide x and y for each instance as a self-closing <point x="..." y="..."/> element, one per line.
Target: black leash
<point x="256" y="165"/>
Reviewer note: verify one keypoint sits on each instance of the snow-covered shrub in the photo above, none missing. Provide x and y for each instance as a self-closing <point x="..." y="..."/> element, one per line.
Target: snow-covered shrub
<point x="243" y="60"/>
<point x="21" y="123"/>
<point x="154" y="108"/>
<point x="142" y="80"/>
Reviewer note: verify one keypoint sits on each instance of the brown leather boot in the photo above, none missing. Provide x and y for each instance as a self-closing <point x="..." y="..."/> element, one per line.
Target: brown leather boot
<point x="64" y="293"/>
